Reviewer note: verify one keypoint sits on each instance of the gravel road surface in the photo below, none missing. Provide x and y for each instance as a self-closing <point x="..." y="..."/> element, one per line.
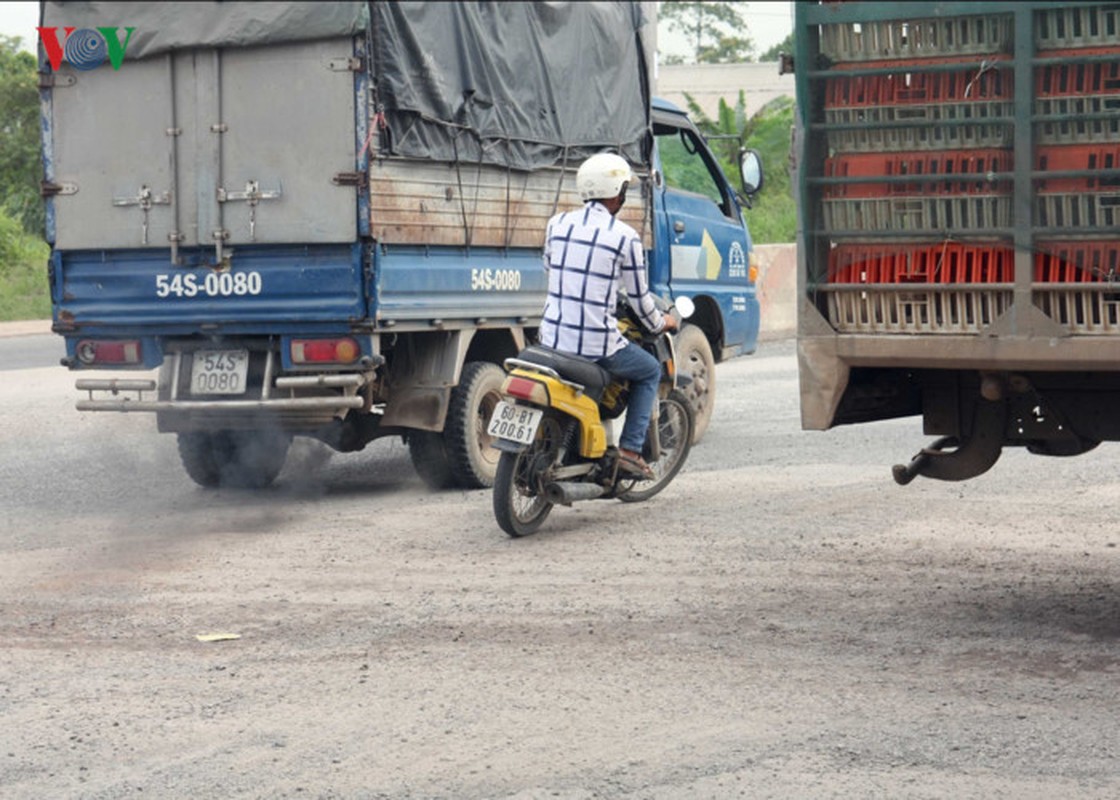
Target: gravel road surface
<point x="782" y="622"/>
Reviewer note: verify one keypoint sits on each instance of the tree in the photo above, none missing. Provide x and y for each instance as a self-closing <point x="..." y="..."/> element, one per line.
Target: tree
<point x="717" y="30"/>
<point x="784" y="46"/>
<point x="20" y="165"/>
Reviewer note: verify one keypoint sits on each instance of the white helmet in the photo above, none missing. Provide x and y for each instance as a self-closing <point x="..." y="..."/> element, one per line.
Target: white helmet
<point x="602" y="176"/>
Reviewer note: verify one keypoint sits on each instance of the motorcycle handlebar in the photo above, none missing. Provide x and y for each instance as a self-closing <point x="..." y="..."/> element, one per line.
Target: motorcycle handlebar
<point x="681" y="309"/>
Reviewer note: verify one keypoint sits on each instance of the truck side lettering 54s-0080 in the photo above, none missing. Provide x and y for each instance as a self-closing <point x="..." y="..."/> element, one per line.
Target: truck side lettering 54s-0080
<point x="326" y="219"/>
<point x="959" y="184"/>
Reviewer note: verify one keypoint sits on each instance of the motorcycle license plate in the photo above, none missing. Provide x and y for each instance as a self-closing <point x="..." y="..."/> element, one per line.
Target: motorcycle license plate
<point x="516" y="423"/>
<point x="219" y="371"/>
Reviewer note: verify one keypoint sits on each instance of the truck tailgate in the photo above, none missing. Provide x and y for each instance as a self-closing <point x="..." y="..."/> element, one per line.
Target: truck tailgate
<point x="183" y="183"/>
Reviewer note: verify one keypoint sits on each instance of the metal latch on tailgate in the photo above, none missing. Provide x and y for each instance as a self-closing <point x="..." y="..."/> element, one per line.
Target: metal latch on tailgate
<point x="252" y="195"/>
<point x="50" y="80"/>
<point x="346" y="64"/>
<point x="49" y="189"/>
<point x="359" y="179"/>
<point x="144" y="198"/>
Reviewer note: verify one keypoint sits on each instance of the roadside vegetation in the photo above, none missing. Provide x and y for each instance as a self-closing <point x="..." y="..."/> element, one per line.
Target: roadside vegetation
<point x="24" y="291"/>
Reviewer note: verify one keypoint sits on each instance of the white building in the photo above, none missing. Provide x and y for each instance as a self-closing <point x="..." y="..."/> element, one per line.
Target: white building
<point x="708" y="83"/>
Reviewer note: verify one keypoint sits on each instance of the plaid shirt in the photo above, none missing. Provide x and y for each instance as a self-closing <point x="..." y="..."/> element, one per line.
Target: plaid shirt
<point x="586" y="251"/>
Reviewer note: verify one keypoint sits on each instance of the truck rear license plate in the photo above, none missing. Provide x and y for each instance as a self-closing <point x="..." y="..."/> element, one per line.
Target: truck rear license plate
<point x="219" y="371"/>
<point x="513" y="422"/>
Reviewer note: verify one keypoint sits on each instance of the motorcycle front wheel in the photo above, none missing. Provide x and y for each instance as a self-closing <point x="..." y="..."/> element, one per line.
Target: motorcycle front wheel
<point x="675" y="426"/>
<point x="519" y="504"/>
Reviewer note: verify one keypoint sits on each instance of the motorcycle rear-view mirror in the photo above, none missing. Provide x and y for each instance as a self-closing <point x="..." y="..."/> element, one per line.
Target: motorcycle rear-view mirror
<point x="685" y="307"/>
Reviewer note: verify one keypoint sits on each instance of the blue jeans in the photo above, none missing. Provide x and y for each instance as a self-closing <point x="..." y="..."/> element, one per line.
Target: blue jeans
<point x="644" y="373"/>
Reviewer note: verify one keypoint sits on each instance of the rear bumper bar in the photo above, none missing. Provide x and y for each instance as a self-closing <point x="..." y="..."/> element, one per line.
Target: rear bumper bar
<point x="135" y="401"/>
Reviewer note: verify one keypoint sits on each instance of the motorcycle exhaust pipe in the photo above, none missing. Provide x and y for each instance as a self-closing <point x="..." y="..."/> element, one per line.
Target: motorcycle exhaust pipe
<point x="564" y="493"/>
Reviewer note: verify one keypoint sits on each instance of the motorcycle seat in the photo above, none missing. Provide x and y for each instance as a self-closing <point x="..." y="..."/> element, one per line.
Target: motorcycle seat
<point x="593" y="378"/>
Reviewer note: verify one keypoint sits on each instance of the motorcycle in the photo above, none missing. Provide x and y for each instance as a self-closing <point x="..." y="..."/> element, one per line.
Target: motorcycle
<point x="555" y="429"/>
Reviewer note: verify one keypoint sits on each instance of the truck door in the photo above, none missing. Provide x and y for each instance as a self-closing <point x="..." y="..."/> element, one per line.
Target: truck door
<point x="240" y="144"/>
<point x="240" y="160"/>
<point x="699" y="217"/>
<point x="109" y="192"/>
<point x="288" y="112"/>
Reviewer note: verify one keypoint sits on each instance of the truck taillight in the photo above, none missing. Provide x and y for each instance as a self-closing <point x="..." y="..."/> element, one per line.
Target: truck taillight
<point x="325" y="351"/>
<point x="117" y="353"/>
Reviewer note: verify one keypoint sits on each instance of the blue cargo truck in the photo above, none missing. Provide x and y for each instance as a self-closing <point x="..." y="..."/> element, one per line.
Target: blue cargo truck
<point x="326" y="219"/>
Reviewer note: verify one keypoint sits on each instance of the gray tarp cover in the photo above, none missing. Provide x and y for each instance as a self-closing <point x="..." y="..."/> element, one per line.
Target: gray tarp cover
<point x="518" y="84"/>
<point x="511" y="83"/>
<point x="160" y="27"/>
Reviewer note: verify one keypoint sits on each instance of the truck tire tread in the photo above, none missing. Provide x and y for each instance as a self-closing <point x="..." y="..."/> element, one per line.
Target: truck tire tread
<point x="472" y="461"/>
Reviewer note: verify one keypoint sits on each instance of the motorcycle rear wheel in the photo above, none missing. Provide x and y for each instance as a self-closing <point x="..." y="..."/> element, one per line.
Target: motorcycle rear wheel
<point x="675" y="427"/>
<point x="519" y="504"/>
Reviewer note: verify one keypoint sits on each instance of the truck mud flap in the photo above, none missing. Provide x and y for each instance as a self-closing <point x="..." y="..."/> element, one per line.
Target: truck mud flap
<point x="973" y="457"/>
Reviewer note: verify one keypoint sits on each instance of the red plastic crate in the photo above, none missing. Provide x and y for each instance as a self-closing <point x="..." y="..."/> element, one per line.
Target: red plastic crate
<point x="1077" y="262"/>
<point x="1075" y="80"/>
<point x="1078" y="157"/>
<point x="1072" y="97"/>
<point x="909" y="64"/>
<point x="944" y="263"/>
<point x="907" y="87"/>
<point x="921" y="163"/>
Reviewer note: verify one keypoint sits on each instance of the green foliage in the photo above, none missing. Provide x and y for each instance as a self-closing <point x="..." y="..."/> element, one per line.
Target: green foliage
<point x="773" y="217"/>
<point x="20" y="167"/>
<point x="24" y="287"/>
<point x="717" y="30"/>
<point x="784" y="46"/>
<point x="683" y="170"/>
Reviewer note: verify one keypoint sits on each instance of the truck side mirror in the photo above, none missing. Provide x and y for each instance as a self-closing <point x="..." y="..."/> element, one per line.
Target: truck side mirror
<point x="750" y="169"/>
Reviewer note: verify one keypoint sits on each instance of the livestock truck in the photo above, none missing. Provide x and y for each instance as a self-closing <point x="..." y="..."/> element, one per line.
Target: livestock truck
<point x="326" y="219"/>
<point x="959" y="195"/>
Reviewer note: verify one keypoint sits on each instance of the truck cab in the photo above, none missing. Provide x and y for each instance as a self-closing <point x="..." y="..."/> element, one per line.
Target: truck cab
<point x="703" y="249"/>
<point x="704" y="246"/>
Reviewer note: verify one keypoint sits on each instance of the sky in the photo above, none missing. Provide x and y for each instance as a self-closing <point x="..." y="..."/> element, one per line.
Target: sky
<point x="20" y="19"/>
<point x="769" y="23"/>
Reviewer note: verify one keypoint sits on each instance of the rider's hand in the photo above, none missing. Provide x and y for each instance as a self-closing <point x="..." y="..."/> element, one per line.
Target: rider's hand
<point x="671" y="323"/>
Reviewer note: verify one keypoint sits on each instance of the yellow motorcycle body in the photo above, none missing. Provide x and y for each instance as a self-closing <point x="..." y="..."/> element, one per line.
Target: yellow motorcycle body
<point x="556" y="449"/>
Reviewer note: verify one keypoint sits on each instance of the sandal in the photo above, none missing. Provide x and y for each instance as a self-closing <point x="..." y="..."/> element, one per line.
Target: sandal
<point x="634" y="465"/>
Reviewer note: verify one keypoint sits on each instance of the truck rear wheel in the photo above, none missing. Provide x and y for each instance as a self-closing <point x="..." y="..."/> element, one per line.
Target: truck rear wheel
<point x="429" y="457"/>
<point x="233" y="459"/>
<point x="463" y="454"/>
<point x="471" y="455"/>
<point x="695" y="353"/>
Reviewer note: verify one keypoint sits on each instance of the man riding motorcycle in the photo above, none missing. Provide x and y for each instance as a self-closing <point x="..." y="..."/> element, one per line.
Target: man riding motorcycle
<point x="590" y="255"/>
